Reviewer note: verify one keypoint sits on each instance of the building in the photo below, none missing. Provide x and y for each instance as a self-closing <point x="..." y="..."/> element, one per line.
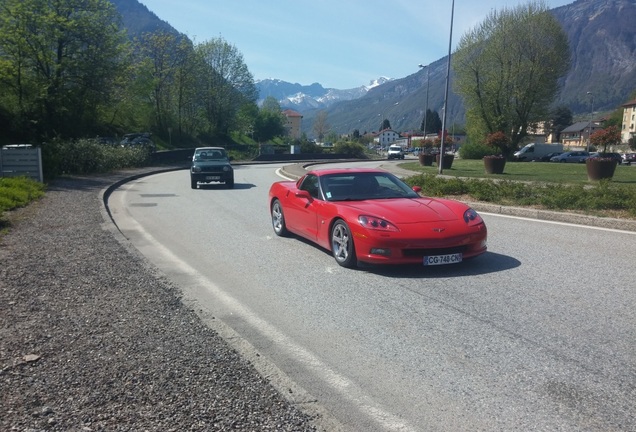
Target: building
<point x="629" y="121"/>
<point x="293" y="123"/>
<point x="386" y="137"/>
<point x="578" y="134"/>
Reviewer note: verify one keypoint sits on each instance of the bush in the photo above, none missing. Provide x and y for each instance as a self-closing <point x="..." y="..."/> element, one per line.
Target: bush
<point x="88" y="156"/>
<point x="350" y="149"/>
<point x="18" y="191"/>
<point x="604" y="196"/>
<point x="475" y="151"/>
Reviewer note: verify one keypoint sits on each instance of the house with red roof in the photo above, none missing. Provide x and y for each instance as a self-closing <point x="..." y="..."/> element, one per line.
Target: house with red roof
<point x="293" y="123"/>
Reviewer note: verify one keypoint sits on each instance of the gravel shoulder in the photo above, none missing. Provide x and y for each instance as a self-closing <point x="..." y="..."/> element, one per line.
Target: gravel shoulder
<point x="92" y="338"/>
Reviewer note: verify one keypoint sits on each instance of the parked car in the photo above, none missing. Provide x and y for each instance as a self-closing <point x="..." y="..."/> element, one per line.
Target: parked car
<point x="629" y="158"/>
<point x="570" y="157"/>
<point x="211" y="164"/>
<point x="616" y="156"/>
<point x="371" y="216"/>
<point x="138" y="140"/>
<point x="546" y="158"/>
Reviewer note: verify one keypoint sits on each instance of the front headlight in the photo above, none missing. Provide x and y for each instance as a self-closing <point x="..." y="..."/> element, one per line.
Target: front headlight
<point x="227" y="168"/>
<point x="196" y="169"/>
<point x="471" y="217"/>
<point x="375" y="223"/>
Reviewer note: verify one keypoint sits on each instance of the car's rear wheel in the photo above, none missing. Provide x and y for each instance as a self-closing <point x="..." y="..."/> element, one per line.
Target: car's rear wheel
<point x="278" y="219"/>
<point x="342" y="245"/>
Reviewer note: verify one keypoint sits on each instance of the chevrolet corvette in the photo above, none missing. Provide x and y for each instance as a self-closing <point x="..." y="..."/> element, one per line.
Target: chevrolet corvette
<point x="371" y="216"/>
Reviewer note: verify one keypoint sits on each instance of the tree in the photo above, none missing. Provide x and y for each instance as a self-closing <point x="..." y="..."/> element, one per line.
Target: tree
<point x="605" y="138"/>
<point x="228" y="84"/>
<point x="269" y="122"/>
<point x="433" y="122"/>
<point x="321" y="127"/>
<point x="386" y="124"/>
<point x="560" y="118"/>
<point x="507" y="70"/>
<point x="59" y="64"/>
<point x="166" y="61"/>
<point x="271" y="104"/>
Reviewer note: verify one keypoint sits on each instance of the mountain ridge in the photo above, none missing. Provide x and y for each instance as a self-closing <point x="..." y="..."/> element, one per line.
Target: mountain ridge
<point x="314" y="96"/>
<point x="603" y="70"/>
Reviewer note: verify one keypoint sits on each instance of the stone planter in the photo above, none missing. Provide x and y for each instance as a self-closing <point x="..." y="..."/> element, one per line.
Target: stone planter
<point x="447" y="161"/>
<point x="494" y="164"/>
<point x="600" y="168"/>
<point x="426" y="159"/>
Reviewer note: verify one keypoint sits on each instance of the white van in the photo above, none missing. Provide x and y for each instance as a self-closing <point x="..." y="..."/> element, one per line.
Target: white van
<point x="396" y="152"/>
<point x="535" y="151"/>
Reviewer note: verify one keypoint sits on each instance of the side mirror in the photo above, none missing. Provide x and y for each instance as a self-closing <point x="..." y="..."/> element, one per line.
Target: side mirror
<point x="303" y="194"/>
<point x="417" y="189"/>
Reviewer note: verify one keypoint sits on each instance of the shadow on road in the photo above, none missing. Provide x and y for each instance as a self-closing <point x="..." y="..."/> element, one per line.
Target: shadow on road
<point x="489" y="262"/>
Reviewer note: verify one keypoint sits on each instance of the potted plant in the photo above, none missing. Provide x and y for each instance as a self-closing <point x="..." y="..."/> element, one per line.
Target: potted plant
<point x="495" y="163"/>
<point x="447" y="158"/>
<point x="426" y="157"/>
<point x="602" y="166"/>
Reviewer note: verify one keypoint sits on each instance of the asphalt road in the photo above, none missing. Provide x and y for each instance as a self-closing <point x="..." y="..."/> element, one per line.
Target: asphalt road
<point x="537" y="334"/>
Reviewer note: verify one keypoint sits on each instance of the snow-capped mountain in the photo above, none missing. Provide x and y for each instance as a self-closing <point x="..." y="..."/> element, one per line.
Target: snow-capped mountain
<point x="315" y="96"/>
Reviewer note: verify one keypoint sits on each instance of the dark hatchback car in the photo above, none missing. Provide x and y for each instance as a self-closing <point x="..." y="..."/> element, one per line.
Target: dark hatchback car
<point x="546" y="158"/>
<point x="211" y="164"/>
<point x="616" y="156"/>
<point x="629" y="158"/>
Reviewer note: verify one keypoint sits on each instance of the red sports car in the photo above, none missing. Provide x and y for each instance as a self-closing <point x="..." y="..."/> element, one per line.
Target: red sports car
<point x="371" y="216"/>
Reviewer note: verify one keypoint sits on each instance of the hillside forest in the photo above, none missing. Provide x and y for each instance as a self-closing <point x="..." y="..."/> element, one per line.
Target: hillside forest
<point x="69" y="70"/>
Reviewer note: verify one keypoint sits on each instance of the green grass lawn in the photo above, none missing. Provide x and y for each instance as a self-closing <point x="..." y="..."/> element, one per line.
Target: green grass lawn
<point x="545" y="172"/>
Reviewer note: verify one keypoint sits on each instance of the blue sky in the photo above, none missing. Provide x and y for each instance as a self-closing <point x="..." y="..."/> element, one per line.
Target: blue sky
<point x="339" y="44"/>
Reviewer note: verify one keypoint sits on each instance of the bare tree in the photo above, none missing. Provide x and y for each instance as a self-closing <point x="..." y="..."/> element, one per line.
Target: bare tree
<point x="321" y="127"/>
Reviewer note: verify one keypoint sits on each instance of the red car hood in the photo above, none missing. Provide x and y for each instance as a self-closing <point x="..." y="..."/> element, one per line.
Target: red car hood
<point x="406" y="211"/>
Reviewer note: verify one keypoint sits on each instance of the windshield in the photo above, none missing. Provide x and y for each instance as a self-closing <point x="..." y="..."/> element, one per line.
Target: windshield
<point x="210" y="154"/>
<point x="364" y="186"/>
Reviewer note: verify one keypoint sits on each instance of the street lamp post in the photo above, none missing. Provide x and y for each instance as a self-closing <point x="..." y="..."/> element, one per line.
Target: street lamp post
<point x="428" y="70"/>
<point x="589" y="135"/>
<point x="450" y="43"/>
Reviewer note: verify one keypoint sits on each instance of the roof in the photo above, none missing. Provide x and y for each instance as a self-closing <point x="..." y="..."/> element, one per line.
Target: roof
<point x="577" y="127"/>
<point x="291" y="113"/>
<point x="209" y="148"/>
<point x="629" y="104"/>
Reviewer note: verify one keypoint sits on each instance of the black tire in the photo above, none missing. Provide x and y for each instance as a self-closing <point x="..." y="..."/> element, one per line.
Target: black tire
<point x="342" y="245"/>
<point x="229" y="184"/>
<point x="193" y="183"/>
<point x="278" y="219"/>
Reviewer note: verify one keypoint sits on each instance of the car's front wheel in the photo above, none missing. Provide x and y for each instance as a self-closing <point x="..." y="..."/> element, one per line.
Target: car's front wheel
<point x="193" y="183"/>
<point x="342" y="245"/>
<point x="278" y="219"/>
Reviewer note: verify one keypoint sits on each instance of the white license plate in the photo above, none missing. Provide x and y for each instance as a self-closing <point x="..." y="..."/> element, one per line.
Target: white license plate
<point x="442" y="259"/>
<point x="213" y="177"/>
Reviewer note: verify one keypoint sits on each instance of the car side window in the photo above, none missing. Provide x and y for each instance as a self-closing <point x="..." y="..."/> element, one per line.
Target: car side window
<point x="310" y="184"/>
